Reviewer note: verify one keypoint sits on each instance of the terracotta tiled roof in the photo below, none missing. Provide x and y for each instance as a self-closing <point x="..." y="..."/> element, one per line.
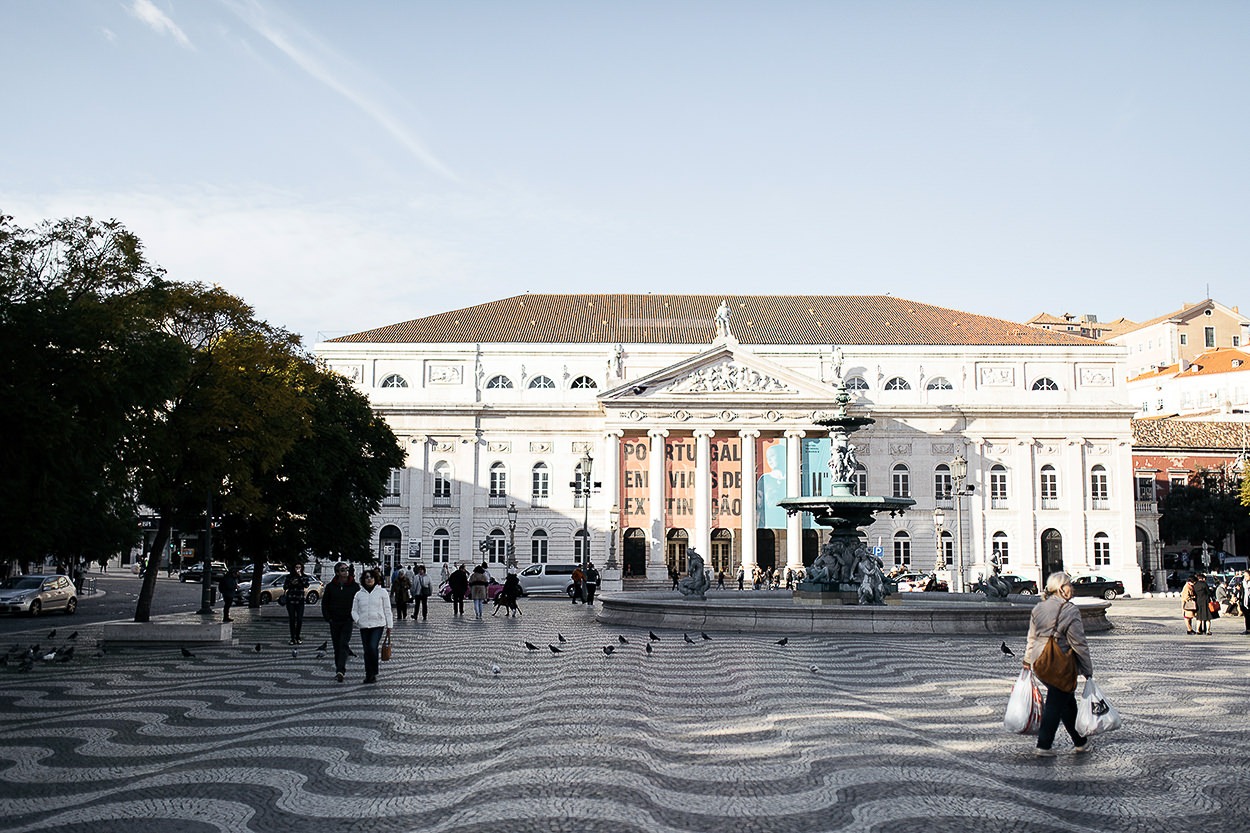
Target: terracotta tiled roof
<point x="1223" y="360"/>
<point x="1189" y="434"/>
<point x="1184" y="311"/>
<point x="690" y="319"/>
<point x="1047" y="318"/>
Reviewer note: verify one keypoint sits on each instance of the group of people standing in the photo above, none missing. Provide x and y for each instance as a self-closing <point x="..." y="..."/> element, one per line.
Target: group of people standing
<point x="367" y="606"/>
<point x="411" y="586"/>
<point x="1202" y="601"/>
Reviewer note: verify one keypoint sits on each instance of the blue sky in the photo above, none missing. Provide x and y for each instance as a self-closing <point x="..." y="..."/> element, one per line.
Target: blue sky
<point x="348" y="165"/>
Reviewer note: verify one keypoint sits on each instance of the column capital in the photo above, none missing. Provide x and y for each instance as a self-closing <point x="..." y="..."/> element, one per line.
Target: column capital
<point x="613" y="434"/>
<point x="701" y="433"/>
<point x="749" y="433"/>
<point x="795" y="433"/>
<point x="657" y="432"/>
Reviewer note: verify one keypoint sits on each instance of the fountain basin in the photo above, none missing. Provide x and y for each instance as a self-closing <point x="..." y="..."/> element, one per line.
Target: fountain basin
<point x="779" y="613"/>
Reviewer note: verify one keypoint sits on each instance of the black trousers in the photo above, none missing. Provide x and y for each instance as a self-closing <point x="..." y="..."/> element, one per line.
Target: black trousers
<point x="457" y="603"/>
<point x="295" y="618"/>
<point x="371" y="641"/>
<point x="419" y="607"/>
<point x="1060" y="707"/>
<point x="341" y="636"/>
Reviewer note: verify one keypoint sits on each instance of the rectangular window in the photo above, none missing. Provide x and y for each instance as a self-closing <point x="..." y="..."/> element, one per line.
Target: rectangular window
<point x="1000" y="548"/>
<point x="859" y="482"/>
<point x="1145" y="487"/>
<point x="1236" y="341"/>
<point x="1184" y="339"/>
<point x="902" y="483"/>
<point x="942" y="485"/>
<point x="393" y="485"/>
<point x="1050" y="489"/>
<point x="1102" y="551"/>
<point x="902" y="552"/>
<point x="541" y="491"/>
<point x="998" y="489"/>
<point x="1208" y="336"/>
<point x="442" y="550"/>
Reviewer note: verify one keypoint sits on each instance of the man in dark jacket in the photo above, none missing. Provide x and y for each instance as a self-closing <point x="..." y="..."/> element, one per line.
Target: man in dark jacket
<point x="458" y="582"/>
<point x="336" y="608"/>
<point x="228" y="587"/>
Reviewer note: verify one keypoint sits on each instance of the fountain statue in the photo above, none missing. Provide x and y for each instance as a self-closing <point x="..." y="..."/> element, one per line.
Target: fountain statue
<point x="696" y="584"/>
<point x="845" y="571"/>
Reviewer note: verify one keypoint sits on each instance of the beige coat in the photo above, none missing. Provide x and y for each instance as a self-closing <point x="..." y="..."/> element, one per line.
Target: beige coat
<point x="1062" y="618"/>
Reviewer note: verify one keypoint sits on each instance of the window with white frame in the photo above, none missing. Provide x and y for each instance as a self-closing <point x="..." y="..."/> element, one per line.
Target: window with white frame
<point x="898" y="383"/>
<point x="939" y="383"/>
<point x="441" y="552"/>
<point x="584" y="383"/>
<point x="999" y="547"/>
<point x="538" y="547"/>
<point x="1102" y="550"/>
<point x="943" y="486"/>
<point x="1049" y="487"/>
<point x="902" y="549"/>
<point x="499" y="382"/>
<point x="496" y="547"/>
<point x="394" y="381"/>
<point x="1145" y="487"/>
<point x="859" y="480"/>
<point x="856" y="383"/>
<point x="900" y="481"/>
<point x="948" y="548"/>
<point x="442" y="483"/>
<point x="394" y="483"/>
<point x="541" y="383"/>
<point x="581" y="546"/>
<point x="998" y="486"/>
<point x="1098" y="488"/>
<point x="1045" y="383"/>
<point x="498" y="484"/>
<point x="579" y="487"/>
<point x="1208" y="336"/>
<point x="1184" y="339"/>
<point x="540" y="492"/>
<point x="1175" y="480"/>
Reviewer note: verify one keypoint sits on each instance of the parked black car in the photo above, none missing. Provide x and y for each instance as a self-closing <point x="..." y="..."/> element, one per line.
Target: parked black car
<point x="1020" y="584"/>
<point x="1094" y="585"/>
<point x="196" y="572"/>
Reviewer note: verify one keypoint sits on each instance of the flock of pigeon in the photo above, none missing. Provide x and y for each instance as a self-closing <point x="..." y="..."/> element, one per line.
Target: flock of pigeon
<point x="608" y="650"/>
<point x="25" y="658"/>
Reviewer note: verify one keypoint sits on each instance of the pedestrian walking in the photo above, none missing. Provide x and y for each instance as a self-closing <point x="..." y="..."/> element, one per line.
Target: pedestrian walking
<point x="422" y="588"/>
<point x="336" y="609"/>
<point x="1056" y="615"/>
<point x="294" y="594"/>
<point x="371" y="611"/>
<point x="720" y="579"/>
<point x="742" y="576"/>
<point x="401" y="589"/>
<point x="579" y="585"/>
<point x="592" y="582"/>
<point x="479" y="590"/>
<point x="228" y="587"/>
<point x="1202" y="604"/>
<point x="458" y="584"/>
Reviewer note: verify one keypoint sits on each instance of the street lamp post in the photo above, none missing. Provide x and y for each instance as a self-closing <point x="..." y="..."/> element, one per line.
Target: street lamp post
<point x="959" y="477"/>
<point x="512" y="513"/>
<point x="583" y="487"/>
<point x="611" y="565"/>
<point x="939" y="521"/>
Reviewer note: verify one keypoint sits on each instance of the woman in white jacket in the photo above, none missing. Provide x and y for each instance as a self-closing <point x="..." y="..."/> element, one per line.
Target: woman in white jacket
<point x="371" y="611"/>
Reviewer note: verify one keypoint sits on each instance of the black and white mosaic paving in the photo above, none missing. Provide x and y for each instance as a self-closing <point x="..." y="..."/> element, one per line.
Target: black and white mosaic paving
<point x="731" y="733"/>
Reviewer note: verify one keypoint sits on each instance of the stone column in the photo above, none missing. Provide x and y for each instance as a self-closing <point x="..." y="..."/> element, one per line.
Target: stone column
<point x="655" y="559"/>
<point x="702" y="542"/>
<point x="794" y="488"/>
<point x="749" y="522"/>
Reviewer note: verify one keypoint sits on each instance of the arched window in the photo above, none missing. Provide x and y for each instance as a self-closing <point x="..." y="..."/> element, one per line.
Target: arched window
<point x="1099" y="494"/>
<point x="902" y="549"/>
<point x="584" y="383"/>
<point x="394" y="381"/>
<point x="442" y="547"/>
<point x="998" y="486"/>
<point x="898" y="383"/>
<point x="442" y="483"/>
<point x="581" y="546"/>
<point x="1049" y="487"/>
<point x="499" y="382"/>
<point x="541" y="383"/>
<point x="939" y="383"/>
<point x="859" y="480"/>
<point x="1102" y="550"/>
<point x="1045" y="384"/>
<point x="498" y="484"/>
<point x="999" y="547"/>
<point x="496" y="547"/>
<point x="948" y="549"/>
<point x="900" y="480"/>
<point x="579" y="488"/>
<point x="538" y="547"/>
<point x="540" y="493"/>
<point x="942" y="484"/>
<point x="856" y="383"/>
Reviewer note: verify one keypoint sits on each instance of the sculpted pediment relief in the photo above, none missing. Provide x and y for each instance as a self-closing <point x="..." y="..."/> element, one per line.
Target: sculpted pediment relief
<point x="728" y="376"/>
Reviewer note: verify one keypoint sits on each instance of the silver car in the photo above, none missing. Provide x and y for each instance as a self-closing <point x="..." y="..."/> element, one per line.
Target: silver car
<point x="33" y="595"/>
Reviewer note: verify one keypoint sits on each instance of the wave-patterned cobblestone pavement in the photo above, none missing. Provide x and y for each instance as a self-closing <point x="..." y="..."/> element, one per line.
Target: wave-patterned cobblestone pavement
<point x="732" y="733"/>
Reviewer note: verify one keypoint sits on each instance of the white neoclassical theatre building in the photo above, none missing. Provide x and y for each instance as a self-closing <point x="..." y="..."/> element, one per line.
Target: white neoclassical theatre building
<point x="697" y="414"/>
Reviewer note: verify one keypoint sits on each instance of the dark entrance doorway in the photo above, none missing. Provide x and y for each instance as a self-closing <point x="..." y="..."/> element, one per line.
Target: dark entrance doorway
<point x="811" y="546"/>
<point x="1052" y="552"/>
<point x="635" y="553"/>
<point x="765" y="548"/>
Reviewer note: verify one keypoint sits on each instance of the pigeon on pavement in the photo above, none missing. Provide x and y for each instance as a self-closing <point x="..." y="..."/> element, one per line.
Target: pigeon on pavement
<point x="783" y="641"/>
<point x="530" y="646"/>
<point x="560" y="637"/>
<point x="622" y="640"/>
<point x="608" y="649"/>
<point x="1006" y="651"/>
<point x="651" y="635"/>
<point x="686" y="637"/>
<point x="704" y="635"/>
<point x="555" y="650"/>
<point x="187" y="654"/>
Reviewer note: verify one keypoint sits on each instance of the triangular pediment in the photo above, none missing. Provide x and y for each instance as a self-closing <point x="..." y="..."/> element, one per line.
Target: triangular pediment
<point x="725" y="372"/>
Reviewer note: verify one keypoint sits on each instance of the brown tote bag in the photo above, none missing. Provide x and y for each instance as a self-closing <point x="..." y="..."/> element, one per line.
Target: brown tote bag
<point x="1054" y="666"/>
<point x="386" y="651"/>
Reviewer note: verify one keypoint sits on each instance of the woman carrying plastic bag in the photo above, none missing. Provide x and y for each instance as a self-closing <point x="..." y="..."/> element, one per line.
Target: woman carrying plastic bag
<point x="1094" y="712"/>
<point x="1057" y="652"/>
<point x="1024" y="707"/>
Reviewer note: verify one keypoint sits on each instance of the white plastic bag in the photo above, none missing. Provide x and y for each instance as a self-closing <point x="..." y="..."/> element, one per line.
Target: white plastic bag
<point x="1094" y="712"/>
<point x="1024" y="707"/>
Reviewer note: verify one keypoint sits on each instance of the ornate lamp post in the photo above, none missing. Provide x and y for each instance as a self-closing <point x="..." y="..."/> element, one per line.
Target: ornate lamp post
<point x="611" y="565"/>
<point x="939" y="521"/>
<point x="583" y="487"/>
<point x="512" y="513"/>
<point x="959" y="477"/>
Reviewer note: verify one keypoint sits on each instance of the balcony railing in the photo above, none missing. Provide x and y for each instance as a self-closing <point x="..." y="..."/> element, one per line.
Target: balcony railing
<point x="999" y="503"/>
<point x="1147" y="506"/>
<point x="1098" y="503"/>
<point x="497" y="500"/>
<point x="1050" y="503"/>
<point x="442" y="500"/>
<point x="390" y="500"/>
<point x="540" y="502"/>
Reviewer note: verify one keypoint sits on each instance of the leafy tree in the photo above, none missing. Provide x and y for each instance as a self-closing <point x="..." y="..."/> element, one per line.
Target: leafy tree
<point x="81" y="364"/>
<point x="1207" y="513"/>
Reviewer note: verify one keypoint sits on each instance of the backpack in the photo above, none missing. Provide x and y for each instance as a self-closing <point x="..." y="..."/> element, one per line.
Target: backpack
<point x="1054" y="666"/>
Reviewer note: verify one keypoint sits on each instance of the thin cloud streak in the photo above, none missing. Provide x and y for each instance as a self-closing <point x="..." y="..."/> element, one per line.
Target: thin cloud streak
<point x="158" y="22"/>
<point x="257" y="17"/>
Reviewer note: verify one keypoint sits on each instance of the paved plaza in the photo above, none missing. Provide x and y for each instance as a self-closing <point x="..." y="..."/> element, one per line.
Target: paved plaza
<point x="731" y="733"/>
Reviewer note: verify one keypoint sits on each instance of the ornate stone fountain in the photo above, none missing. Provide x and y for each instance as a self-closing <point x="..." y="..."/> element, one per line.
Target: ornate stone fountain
<point x="845" y="571"/>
